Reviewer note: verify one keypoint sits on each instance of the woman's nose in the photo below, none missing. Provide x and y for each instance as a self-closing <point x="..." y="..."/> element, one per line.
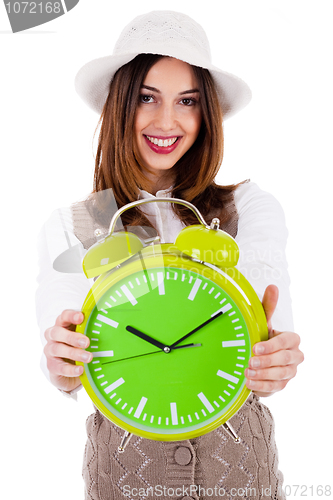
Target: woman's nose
<point x="165" y="118"/>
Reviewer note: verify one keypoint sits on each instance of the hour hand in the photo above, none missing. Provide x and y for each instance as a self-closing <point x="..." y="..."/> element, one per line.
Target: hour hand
<point x="149" y="339"/>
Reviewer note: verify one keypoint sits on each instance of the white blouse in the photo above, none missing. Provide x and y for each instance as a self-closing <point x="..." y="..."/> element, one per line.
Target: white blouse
<point x="262" y="237"/>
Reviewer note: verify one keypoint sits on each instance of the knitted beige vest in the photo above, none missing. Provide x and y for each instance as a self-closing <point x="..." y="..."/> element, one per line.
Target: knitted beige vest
<point x="210" y="466"/>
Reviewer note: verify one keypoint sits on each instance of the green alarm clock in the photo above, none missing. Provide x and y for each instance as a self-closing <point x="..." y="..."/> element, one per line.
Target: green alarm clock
<point x="171" y="329"/>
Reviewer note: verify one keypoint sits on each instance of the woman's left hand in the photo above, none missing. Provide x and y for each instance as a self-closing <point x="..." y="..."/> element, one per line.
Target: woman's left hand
<point x="275" y="360"/>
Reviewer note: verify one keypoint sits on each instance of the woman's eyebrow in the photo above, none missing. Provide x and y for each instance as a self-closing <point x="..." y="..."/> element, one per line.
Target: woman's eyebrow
<point x="154" y="89"/>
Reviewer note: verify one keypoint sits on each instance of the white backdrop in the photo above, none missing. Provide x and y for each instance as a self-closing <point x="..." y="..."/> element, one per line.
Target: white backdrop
<point x="282" y="141"/>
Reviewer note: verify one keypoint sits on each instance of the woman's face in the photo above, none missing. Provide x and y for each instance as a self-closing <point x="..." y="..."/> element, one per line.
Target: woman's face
<point x="168" y="116"/>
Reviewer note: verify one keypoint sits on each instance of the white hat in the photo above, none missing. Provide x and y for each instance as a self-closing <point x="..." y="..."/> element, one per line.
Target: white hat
<point x="166" y="33"/>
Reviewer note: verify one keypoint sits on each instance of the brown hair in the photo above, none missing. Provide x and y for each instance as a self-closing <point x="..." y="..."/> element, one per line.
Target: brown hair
<point x="117" y="165"/>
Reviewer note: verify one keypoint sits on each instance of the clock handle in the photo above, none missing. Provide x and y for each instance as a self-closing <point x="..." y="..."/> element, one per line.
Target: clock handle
<point x="163" y="200"/>
<point x="229" y="430"/>
<point x="124" y="441"/>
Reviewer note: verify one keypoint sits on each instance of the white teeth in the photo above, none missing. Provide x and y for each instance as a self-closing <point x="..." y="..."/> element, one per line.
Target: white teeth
<point x="161" y="143"/>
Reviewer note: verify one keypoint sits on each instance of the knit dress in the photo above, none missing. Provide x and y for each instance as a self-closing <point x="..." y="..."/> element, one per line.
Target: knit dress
<point x="210" y="466"/>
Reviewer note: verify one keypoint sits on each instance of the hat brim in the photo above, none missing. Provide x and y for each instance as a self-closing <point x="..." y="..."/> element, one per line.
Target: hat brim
<point x="92" y="82"/>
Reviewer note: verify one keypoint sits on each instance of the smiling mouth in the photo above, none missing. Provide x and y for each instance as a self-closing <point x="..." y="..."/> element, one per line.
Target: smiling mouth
<point x="162" y="143"/>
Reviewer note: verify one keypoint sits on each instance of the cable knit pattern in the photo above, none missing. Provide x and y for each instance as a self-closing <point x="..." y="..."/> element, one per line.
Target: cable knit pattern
<point x="217" y="463"/>
<point x="196" y="469"/>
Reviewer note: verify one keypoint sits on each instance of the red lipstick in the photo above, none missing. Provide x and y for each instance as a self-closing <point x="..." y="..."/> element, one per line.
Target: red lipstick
<point x="164" y="150"/>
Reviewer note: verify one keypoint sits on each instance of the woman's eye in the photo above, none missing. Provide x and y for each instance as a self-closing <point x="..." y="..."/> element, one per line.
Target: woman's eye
<point x="146" y="98"/>
<point x="188" y="101"/>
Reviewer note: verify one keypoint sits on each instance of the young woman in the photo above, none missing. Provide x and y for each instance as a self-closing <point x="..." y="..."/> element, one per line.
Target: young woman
<point x="162" y="106"/>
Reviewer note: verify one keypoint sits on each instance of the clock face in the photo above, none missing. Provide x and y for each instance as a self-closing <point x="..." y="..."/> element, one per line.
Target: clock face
<point x="144" y="375"/>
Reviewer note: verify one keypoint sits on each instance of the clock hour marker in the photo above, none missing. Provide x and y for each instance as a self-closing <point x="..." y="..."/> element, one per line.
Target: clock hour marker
<point x="115" y="384"/>
<point x="232" y="313"/>
<point x="223" y="309"/>
<point x="195" y="289"/>
<point x="205" y="402"/>
<point x="227" y="376"/>
<point x="189" y="417"/>
<point x="107" y="321"/>
<point x="233" y="343"/>
<point x="160" y="283"/>
<point x="174" y="416"/>
<point x="102" y="354"/>
<point x="129" y="295"/>
<point x="140" y="407"/>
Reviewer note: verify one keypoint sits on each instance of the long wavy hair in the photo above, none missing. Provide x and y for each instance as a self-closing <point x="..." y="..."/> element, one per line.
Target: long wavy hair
<point x="117" y="164"/>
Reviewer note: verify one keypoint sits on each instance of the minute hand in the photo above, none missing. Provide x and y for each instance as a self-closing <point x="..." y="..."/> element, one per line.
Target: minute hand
<point x="196" y="329"/>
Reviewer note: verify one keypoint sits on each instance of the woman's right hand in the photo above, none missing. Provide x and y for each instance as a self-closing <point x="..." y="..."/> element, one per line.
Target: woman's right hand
<point x="64" y="347"/>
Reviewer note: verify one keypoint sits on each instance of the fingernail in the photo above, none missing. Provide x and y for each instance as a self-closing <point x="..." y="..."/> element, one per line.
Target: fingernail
<point x="86" y="356"/>
<point x="251" y="373"/>
<point x="77" y="317"/>
<point x="251" y="383"/>
<point x="78" y="370"/>
<point x="259" y="349"/>
<point x="83" y="343"/>
<point x="255" y="363"/>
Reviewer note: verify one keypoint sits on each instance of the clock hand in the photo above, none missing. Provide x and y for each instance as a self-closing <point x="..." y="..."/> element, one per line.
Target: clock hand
<point x="196" y="329"/>
<point x="147" y="338"/>
<point x="147" y="353"/>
